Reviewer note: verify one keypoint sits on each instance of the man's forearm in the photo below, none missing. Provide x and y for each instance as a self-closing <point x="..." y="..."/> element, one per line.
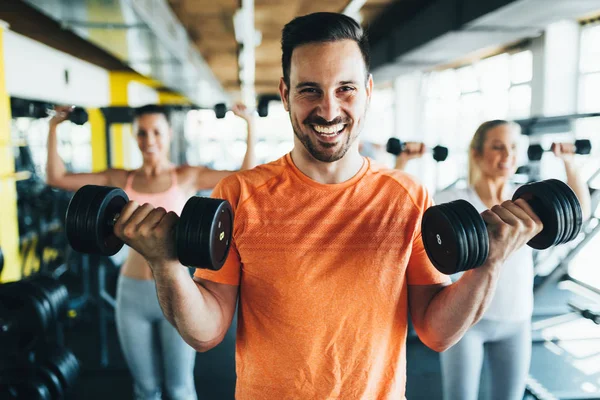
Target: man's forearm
<point x="192" y="309"/>
<point x="457" y="307"/>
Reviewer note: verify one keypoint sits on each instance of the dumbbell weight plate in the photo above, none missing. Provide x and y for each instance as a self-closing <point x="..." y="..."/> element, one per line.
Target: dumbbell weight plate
<point x="583" y="146"/>
<point x="220" y="110"/>
<point x="89" y="219"/>
<point x="78" y="116"/>
<point x="1" y="261"/>
<point x="55" y="292"/>
<point x="546" y="209"/>
<point x="203" y="234"/>
<point x="471" y="250"/>
<point x="442" y="239"/>
<point x="30" y="312"/>
<point x="482" y="239"/>
<point x="60" y="367"/>
<point x="394" y="146"/>
<point x="562" y="208"/>
<point x="440" y="153"/>
<point x="76" y="219"/>
<point x="51" y="381"/>
<point x="574" y="216"/>
<point x="535" y="152"/>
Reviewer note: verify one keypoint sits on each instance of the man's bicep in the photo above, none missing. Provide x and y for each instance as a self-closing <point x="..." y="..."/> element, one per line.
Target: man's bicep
<point x="419" y="298"/>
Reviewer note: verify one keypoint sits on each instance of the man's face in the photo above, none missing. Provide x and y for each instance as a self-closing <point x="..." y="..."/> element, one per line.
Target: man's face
<point x="328" y="97"/>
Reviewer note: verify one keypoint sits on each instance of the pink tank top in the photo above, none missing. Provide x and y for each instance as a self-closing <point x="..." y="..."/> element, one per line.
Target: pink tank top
<point x="173" y="199"/>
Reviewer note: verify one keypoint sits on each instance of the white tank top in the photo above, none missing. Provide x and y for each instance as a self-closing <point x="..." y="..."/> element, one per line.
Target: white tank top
<point x="513" y="300"/>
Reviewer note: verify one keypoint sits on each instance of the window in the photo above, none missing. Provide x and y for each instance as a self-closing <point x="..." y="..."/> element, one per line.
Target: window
<point x="589" y="68"/>
<point x="74" y="143"/>
<point x="456" y="101"/>
<point x="221" y="143"/>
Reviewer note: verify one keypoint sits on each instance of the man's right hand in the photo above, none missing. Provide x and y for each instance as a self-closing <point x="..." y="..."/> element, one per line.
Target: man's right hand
<point x="61" y="114"/>
<point x="510" y="226"/>
<point x="149" y="231"/>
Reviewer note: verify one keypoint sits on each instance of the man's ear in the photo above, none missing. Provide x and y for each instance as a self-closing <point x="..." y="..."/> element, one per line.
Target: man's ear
<point x="284" y="92"/>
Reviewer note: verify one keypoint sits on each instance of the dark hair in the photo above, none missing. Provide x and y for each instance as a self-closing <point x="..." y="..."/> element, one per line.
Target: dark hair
<point x="321" y="27"/>
<point x="150" y="109"/>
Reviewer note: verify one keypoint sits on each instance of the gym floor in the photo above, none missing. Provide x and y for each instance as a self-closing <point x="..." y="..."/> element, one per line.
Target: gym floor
<point x="566" y="357"/>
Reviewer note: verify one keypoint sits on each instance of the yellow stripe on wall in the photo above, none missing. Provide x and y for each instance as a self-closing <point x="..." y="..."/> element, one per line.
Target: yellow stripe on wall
<point x="98" y="126"/>
<point x="9" y="224"/>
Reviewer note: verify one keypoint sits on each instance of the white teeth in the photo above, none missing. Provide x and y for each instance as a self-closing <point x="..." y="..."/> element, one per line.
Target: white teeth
<point x="328" y="130"/>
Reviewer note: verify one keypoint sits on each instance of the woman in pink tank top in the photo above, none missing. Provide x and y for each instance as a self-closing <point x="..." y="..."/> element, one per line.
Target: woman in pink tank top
<point x="162" y="184"/>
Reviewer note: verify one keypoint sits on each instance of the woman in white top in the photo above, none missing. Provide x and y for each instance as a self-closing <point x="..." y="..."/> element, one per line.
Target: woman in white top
<point x="503" y="336"/>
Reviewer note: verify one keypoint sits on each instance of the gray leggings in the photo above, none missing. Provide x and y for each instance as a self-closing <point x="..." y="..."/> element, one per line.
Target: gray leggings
<point x="506" y="347"/>
<point x="156" y="354"/>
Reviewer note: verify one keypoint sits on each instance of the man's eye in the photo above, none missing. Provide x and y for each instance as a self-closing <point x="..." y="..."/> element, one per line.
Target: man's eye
<point x="309" y="90"/>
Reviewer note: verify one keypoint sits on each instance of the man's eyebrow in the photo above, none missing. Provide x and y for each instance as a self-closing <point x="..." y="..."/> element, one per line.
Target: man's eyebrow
<point x="306" y="84"/>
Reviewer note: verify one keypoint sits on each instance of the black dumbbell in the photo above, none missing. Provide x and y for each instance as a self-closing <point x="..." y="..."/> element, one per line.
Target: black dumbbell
<point x="1" y="261"/>
<point x="220" y="110"/>
<point x="29" y="309"/>
<point x="456" y="238"/>
<point x="78" y="116"/>
<point x="535" y="151"/>
<point x="395" y="146"/>
<point x="51" y="377"/>
<point x="59" y="370"/>
<point x="202" y="238"/>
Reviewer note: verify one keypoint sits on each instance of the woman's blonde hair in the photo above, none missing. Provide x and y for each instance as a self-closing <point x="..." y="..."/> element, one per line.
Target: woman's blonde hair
<point x="478" y="141"/>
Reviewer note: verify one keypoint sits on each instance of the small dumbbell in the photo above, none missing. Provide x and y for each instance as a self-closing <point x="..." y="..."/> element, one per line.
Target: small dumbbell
<point x="455" y="235"/>
<point x="220" y="110"/>
<point x="202" y="237"/>
<point x="78" y="116"/>
<point x="395" y="146"/>
<point x="535" y="151"/>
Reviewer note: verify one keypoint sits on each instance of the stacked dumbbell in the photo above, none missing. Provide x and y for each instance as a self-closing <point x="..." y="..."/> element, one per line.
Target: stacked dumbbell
<point x="32" y="365"/>
<point x="202" y="237"/>
<point x="395" y="146"/>
<point x="536" y="151"/>
<point x="50" y="376"/>
<point x="456" y="238"/>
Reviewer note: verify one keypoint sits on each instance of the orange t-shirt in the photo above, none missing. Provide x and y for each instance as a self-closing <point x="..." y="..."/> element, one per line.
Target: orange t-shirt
<point x="323" y="273"/>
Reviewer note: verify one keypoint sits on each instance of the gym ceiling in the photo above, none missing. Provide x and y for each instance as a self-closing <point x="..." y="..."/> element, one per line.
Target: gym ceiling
<point x="405" y="35"/>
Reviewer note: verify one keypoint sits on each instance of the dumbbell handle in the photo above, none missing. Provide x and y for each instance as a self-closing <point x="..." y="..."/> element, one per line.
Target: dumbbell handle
<point x="395" y="146"/>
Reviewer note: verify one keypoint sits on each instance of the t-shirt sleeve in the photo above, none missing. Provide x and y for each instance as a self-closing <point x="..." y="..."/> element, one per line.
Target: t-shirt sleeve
<point x="228" y="189"/>
<point x="420" y="270"/>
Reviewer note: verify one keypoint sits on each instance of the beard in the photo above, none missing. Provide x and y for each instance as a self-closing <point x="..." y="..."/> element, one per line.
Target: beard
<point x="326" y="152"/>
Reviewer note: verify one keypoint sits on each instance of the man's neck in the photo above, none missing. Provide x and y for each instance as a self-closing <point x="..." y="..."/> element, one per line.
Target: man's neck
<point x="328" y="172"/>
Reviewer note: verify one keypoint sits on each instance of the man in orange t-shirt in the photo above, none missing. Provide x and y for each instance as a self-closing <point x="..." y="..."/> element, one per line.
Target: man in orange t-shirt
<point x="327" y="255"/>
